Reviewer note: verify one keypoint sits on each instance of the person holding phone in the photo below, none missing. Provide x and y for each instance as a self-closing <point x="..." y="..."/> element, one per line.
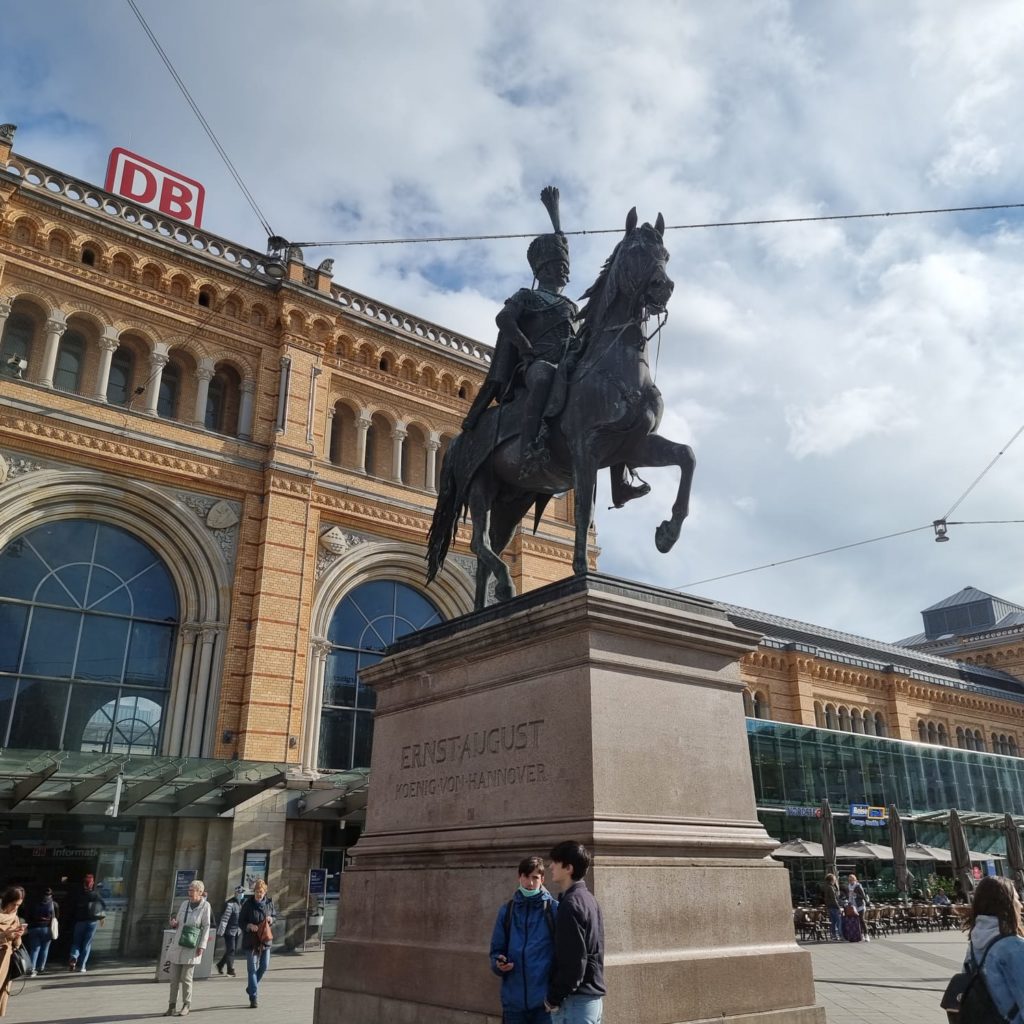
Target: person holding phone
<point x="523" y="947"/>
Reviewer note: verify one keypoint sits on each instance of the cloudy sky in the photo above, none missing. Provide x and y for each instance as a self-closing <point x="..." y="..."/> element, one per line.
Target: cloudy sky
<point x="838" y="381"/>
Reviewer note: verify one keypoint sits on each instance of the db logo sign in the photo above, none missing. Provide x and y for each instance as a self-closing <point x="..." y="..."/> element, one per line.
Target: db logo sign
<point x="148" y="184"/>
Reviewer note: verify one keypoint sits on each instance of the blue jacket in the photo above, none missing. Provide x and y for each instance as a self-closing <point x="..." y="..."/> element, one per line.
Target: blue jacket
<point x="1004" y="967"/>
<point x="531" y="947"/>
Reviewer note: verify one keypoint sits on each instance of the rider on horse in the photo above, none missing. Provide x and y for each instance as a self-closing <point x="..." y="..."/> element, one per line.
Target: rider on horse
<point x="536" y="333"/>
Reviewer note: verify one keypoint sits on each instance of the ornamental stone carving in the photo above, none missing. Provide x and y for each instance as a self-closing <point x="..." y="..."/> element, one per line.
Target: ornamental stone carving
<point x="335" y="542"/>
<point x="220" y="517"/>
<point x="12" y="466"/>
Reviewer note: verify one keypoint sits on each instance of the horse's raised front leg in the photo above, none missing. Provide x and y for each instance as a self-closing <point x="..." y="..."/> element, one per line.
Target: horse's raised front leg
<point x="660" y="451"/>
<point x="584" y="477"/>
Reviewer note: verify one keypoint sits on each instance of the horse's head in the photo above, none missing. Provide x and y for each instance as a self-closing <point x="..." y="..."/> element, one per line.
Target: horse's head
<point x="640" y="265"/>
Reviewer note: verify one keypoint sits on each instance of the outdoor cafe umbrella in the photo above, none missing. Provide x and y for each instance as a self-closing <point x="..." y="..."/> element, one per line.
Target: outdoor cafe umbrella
<point x="899" y="850"/>
<point x="919" y="851"/>
<point x="961" y="856"/>
<point x="1014" y="853"/>
<point x="828" y="838"/>
<point x="863" y="850"/>
<point x="800" y="849"/>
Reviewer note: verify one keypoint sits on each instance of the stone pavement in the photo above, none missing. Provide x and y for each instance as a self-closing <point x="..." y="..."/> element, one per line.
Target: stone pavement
<point x="895" y="980"/>
<point x="123" y="993"/>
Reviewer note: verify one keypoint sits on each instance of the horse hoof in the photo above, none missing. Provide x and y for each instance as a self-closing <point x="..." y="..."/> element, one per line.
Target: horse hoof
<point x="665" y="536"/>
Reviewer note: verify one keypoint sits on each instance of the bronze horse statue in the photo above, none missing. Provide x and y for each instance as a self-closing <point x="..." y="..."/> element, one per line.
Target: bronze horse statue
<point x="610" y="414"/>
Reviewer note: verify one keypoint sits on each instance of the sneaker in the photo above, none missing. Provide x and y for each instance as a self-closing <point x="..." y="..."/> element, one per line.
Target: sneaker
<point x="33" y="974"/>
<point x="82" y="970"/>
<point x="72" y="964"/>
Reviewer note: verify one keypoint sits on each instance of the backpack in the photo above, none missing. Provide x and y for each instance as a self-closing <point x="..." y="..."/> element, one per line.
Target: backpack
<point x="548" y="916"/>
<point x="967" y="999"/>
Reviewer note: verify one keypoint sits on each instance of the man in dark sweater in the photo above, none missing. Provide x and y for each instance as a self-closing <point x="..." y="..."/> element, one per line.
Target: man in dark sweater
<point x="576" y="990"/>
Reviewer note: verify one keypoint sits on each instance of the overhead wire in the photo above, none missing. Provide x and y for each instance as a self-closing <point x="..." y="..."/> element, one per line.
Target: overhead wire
<point x="232" y="170"/>
<point x="977" y="480"/>
<point x="412" y="240"/>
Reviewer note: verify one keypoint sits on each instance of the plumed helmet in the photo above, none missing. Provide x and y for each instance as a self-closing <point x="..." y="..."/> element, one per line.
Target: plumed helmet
<point x="545" y="248"/>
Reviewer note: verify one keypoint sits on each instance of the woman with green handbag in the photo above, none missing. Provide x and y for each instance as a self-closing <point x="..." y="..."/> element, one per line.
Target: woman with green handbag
<point x="191" y="927"/>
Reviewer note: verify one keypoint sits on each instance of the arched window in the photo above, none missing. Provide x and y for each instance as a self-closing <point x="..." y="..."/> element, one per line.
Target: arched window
<point x="762" y="709"/>
<point x="748" y="704"/>
<point x="933" y="736"/>
<point x="831" y="721"/>
<point x="88" y="615"/>
<point x="1011" y="747"/>
<point x="922" y="731"/>
<point x="995" y="743"/>
<point x="70" y="355"/>
<point x="170" y="392"/>
<point x="880" y="728"/>
<point x="414" y="458"/>
<point x="369" y="618"/>
<point x="960" y="742"/>
<point x="119" y="384"/>
<point x="222" y="401"/>
<point x="869" y="722"/>
<point x="819" y="715"/>
<point x="857" y="721"/>
<point x="979" y="740"/>
<point x="379" y="448"/>
<point x="844" y="718"/>
<point x="943" y="738"/>
<point x="16" y="343"/>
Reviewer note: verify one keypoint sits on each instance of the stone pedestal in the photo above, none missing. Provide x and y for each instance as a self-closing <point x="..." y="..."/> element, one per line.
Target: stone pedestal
<point x="596" y="710"/>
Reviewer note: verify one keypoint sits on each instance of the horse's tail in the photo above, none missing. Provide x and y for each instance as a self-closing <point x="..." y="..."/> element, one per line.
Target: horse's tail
<point x="449" y="506"/>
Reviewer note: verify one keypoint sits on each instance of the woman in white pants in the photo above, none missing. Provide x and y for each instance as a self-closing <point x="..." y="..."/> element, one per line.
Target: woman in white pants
<point x="191" y="927"/>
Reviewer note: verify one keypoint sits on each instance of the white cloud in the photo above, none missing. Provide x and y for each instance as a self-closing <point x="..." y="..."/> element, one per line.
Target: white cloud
<point x="839" y="381"/>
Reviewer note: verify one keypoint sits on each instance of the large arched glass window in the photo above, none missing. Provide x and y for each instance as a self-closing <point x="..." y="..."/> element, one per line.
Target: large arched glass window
<point x="88" y="614"/>
<point x="170" y="389"/>
<point x="17" y="340"/>
<point x="370" y="617"/>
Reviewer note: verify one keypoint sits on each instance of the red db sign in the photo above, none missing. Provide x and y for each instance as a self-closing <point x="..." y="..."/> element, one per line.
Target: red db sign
<point x="148" y="184"/>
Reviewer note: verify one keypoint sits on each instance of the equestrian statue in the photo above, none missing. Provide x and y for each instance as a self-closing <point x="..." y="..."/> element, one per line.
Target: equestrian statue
<point x="574" y="394"/>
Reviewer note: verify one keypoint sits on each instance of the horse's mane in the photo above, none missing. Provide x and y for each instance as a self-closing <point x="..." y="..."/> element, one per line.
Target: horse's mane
<point x="597" y="299"/>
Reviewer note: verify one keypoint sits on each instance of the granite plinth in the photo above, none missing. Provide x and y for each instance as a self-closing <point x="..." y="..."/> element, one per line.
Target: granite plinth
<point x="594" y="710"/>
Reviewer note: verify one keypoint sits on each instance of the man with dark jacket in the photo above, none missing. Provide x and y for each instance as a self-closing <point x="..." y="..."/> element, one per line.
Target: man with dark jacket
<point x="229" y="927"/>
<point x="88" y="912"/>
<point x="576" y="990"/>
<point x="523" y="946"/>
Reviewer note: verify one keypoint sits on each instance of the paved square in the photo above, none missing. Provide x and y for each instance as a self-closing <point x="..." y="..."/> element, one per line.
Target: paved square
<point x="895" y="980"/>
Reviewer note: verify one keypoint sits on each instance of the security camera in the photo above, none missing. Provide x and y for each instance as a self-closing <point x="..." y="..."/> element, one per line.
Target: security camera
<point x="16" y="366"/>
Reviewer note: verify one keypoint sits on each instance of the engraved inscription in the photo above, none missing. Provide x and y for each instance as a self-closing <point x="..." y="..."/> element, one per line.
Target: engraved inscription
<point x="456" y="751"/>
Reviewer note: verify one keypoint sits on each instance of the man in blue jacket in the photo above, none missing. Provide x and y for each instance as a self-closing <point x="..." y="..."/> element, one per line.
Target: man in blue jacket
<point x="576" y="990"/>
<point x="522" y="947"/>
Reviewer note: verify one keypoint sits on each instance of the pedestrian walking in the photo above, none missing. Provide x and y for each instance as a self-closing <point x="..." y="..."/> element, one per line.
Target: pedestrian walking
<point x="88" y="911"/>
<point x="859" y="900"/>
<point x="255" y="919"/>
<point x="230" y="929"/>
<point x="11" y="931"/>
<point x="191" y="927"/>
<point x="41" y="918"/>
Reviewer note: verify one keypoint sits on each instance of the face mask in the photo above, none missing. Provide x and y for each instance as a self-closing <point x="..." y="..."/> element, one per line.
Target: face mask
<point x="530" y="893"/>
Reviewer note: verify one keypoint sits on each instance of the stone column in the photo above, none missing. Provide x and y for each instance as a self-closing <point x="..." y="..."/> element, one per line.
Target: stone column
<point x="433" y="447"/>
<point x="157" y="362"/>
<point x="398" y="437"/>
<point x="204" y="374"/>
<point x="109" y="344"/>
<point x="5" y="312"/>
<point x="362" y="426"/>
<point x="183" y="687"/>
<point x="594" y="709"/>
<point x="245" y="410"/>
<point x="319" y="650"/>
<point x="55" y="327"/>
<point x="194" y="737"/>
